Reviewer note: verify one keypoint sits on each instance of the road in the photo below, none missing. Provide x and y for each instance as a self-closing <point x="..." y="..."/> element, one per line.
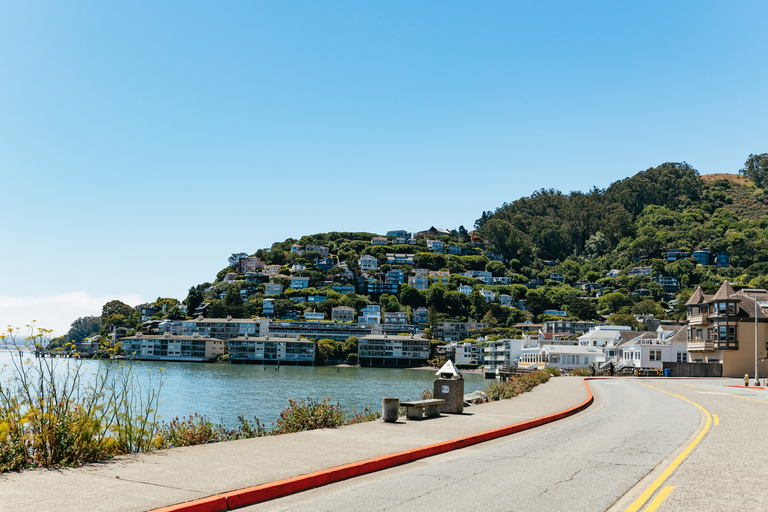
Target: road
<point x="603" y="458"/>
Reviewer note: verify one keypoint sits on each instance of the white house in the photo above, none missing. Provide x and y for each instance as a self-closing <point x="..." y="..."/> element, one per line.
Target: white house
<point x="368" y="262"/>
<point x="465" y="289"/>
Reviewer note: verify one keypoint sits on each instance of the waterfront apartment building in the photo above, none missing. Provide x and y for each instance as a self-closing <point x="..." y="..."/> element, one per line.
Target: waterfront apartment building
<point x="271" y="350"/>
<point x="167" y="347"/>
<point x="721" y="328"/>
<point x="380" y="350"/>
<point x="463" y="353"/>
<point x="332" y="330"/>
<point x="223" y="328"/>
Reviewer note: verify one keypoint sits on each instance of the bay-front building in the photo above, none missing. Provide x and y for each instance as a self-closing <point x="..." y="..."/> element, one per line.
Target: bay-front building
<point x="392" y="351"/>
<point x="169" y="347"/>
<point x="721" y="328"/>
<point x="266" y="349"/>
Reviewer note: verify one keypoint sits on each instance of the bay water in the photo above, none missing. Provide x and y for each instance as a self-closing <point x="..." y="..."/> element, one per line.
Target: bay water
<point x="223" y="391"/>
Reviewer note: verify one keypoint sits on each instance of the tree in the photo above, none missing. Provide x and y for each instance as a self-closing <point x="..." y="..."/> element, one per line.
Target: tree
<point x="116" y="307"/>
<point x="194" y="299"/>
<point x="496" y="268"/>
<point x="175" y="313"/>
<point x="756" y="169"/>
<point x="234" y="260"/>
<point x="82" y="328"/>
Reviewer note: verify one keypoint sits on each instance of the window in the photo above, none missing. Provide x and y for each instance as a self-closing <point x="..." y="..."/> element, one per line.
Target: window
<point x="682" y="357"/>
<point x="654" y="355"/>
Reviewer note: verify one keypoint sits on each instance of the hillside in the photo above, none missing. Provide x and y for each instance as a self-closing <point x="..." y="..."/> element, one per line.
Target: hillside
<point x="605" y="254"/>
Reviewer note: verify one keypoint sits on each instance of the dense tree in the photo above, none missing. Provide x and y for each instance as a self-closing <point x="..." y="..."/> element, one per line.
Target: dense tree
<point x="82" y="328"/>
<point x="756" y="169"/>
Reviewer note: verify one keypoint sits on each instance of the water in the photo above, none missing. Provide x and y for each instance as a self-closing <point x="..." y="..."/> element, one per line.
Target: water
<point x="223" y="391"/>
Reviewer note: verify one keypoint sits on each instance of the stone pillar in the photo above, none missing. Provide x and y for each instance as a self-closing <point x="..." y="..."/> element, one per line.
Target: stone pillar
<point x="452" y="391"/>
<point x="390" y="409"/>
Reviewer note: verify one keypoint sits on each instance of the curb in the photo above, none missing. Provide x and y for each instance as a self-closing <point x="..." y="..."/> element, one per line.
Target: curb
<point x="745" y="387"/>
<point x="264" y="492"/>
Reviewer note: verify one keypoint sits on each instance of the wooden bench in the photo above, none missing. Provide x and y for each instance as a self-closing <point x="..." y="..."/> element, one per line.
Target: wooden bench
<point x="417" y="409"/>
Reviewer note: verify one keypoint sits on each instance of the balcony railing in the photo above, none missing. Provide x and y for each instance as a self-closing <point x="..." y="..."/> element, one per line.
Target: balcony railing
<point x="699" y="345"/>
<point x="701" y="318"/>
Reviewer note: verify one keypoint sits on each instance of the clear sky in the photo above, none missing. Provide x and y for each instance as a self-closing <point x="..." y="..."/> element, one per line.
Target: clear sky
<point x="141" y="143"/>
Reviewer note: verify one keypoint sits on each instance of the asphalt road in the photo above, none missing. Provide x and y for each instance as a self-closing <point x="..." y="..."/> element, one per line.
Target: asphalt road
<point x="601" y="458"/>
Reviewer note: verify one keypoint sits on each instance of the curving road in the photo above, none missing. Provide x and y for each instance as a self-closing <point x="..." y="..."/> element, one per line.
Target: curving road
<point x="588" y="462"/>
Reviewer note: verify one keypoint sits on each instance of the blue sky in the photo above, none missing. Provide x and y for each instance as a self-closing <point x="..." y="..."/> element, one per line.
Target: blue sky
<point x="141" y="143"/>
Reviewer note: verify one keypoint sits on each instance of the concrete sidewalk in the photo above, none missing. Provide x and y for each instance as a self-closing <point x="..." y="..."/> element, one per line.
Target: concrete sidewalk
<point x="149" y="481"/>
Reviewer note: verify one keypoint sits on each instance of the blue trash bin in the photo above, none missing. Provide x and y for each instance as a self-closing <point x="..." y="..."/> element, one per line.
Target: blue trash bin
<point x="667" y="372"/>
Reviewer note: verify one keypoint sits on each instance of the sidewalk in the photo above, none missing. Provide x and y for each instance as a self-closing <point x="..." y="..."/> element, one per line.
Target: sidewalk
<point x="158" y="479"/>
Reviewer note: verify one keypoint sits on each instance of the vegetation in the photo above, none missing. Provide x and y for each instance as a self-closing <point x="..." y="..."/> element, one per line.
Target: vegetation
<point x="517" y="385"/>
<point x="53" y="414"/>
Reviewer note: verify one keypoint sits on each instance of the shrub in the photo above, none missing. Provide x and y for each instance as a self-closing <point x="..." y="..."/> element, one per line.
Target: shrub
<point x="552" y="371"/>
<point x="579" y="372"/>
<point x="517" y="385"/>
<point x="311" y="414"/>
<point x="54" y="414"/>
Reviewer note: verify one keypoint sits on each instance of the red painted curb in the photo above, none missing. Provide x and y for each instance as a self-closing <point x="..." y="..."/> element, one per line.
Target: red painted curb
<point x="745" y="387"/>
<point x="280" y="488"/>
<point x="211" y="504"/>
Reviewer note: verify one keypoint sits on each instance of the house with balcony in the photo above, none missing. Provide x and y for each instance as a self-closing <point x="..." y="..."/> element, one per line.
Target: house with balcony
<point x="296" y="249"/>
<point x="420" y="316"/>
<point x="312" y="316"/>
<point x="379" y="240"/>
<point x="465" y="289"/>
<point x="639" y="271"/>
<point x="435" y="246"/>
<point x="272" y="270"/>
<point x="299" y="283"/>
<point x="399" y="258"/>
<point x="343" y="314"/>
<point x="249" y="264"/>
<point x="370" y="314"/>
<point x="463" y="353"/>
<point x="440" y="277"/>
<point x="481" y="275"/>
<point x="395" y="317"/>
<point x="399" y="233"/>
<point x="297" y="267"/>
<point x="721" y="328"/>
<point x="168" y="347"/>
<point x="676" y="255"/>
<point x="488" y="295"/>
<point x="395" y="277"/>
<point x="504" y="352"/>
<point x="368" y="262"/>
<point x="318" y="248"/>
<point x="420" y="281"/>
<point x="505" y="300"/>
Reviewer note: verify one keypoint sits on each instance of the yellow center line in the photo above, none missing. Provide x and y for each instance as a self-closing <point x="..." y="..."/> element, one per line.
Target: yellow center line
<point x="724" y="393"/>
<point x="653" y="505"/>
<point x="717" y="419"/>
<point x="640" y="501"/>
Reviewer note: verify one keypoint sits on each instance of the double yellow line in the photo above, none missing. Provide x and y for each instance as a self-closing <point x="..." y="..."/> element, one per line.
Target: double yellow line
<point x="657" y="501"/>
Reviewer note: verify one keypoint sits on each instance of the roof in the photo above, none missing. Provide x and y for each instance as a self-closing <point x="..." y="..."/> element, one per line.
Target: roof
<point x="697" y="298"/>
<point x="572" y="349"/>
<point x="724" y="293"/>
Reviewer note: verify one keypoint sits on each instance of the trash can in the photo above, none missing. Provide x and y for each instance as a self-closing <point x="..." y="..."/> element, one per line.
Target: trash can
<point x="449" y="385"/>
<point x="390" y="409"/>
<point x="667" y="372"/>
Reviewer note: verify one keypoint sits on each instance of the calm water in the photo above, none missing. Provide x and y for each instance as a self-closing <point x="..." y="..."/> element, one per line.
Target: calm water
<point x="224" y="391"/>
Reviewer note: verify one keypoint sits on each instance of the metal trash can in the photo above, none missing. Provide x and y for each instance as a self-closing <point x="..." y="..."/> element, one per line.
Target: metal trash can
<point x="449" y="385"/>
<point x="667" y="372"/>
